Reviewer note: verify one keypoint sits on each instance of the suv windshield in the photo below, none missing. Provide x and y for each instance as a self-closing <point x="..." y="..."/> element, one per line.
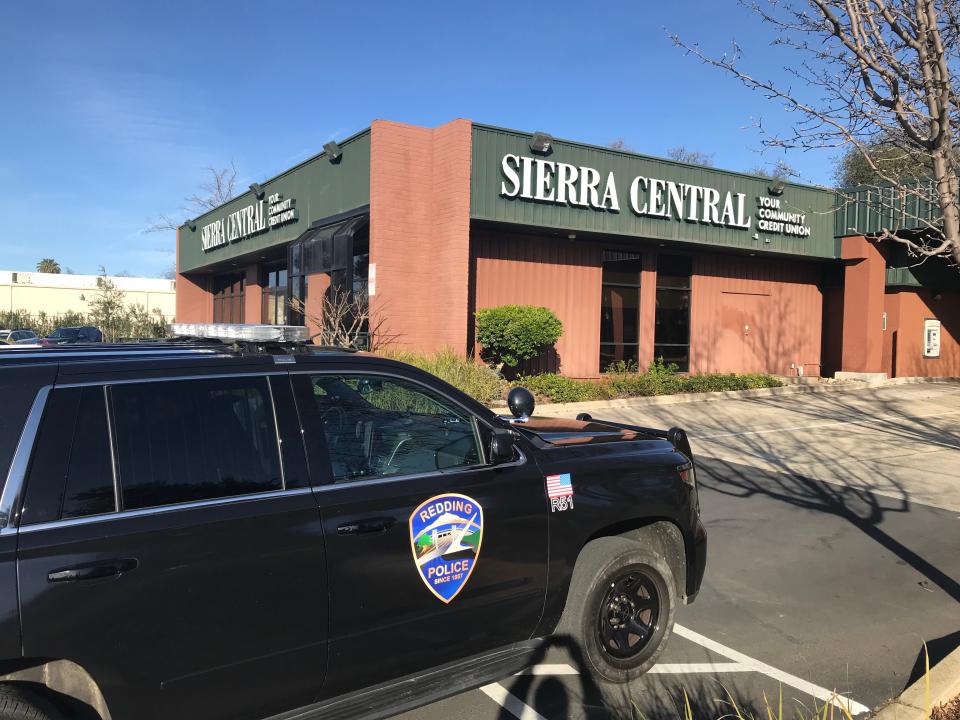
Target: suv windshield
<point x="64" y="334"/>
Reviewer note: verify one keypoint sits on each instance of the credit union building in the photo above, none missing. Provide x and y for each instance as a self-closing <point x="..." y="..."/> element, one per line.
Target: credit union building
<point x="640" y="257"/>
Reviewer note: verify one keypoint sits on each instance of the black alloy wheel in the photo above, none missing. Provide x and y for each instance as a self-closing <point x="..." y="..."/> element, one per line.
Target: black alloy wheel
<point x="629" y="615"/>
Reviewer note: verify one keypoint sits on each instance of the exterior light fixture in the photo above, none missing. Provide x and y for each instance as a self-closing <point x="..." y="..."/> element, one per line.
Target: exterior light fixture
<point x="191" y="224"/>
<point x="257" y="191"/>
<point x="541" y="143"/>
<point x="333" y="151"/>
<point x="777" y="188"/>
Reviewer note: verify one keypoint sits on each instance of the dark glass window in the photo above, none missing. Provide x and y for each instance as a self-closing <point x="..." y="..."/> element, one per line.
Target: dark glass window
<point x="619" y="308"/>
<point x="274" y="309"/>
<point x="183" y="441"/>
<point x="671" y="340"/>
<point x="379" y="426"/>
<point x="228" y="298"/>
<point x="89" y="489"/>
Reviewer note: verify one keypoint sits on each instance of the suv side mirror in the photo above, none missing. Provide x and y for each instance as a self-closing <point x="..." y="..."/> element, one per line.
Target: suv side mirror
<point x="501" y="446"/>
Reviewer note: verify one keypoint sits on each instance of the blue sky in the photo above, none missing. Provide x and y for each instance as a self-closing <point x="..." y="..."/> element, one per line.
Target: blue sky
<point x="114" y="108"/>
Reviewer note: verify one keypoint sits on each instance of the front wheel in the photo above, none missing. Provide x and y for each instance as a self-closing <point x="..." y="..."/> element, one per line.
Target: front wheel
<point x="620" y="608"/>
<point x="19" y="703"/>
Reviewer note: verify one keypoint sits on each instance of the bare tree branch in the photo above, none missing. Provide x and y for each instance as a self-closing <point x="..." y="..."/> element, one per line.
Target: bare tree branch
<point x="212" y="193"/>
<point x="873" y="73"/>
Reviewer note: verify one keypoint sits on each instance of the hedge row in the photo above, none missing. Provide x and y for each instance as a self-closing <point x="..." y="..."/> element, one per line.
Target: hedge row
<point x="482" y="382"/>
<point x="561" y="389"/>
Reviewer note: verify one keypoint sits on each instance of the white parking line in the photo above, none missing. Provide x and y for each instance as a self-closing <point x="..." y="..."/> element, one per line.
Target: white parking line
<point x="511" y="703"/>
<point x="793" y="681"/>
<point x="741" y="663"/>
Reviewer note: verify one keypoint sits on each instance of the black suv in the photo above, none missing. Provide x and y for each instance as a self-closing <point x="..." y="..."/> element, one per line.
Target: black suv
<point x="213" y="529"/>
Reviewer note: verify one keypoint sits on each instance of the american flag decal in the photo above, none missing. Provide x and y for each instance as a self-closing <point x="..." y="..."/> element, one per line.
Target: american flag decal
<point x="559" y="486"/>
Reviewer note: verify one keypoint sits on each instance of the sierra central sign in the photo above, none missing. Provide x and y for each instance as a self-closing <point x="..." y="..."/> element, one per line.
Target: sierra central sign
<point x="248" y="221"/>
<point x="558" y="183"/>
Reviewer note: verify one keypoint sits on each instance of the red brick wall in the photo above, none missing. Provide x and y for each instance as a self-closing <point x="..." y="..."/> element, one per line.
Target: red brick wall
<point x="193" y="302"/>
<point x="420" y="232"/>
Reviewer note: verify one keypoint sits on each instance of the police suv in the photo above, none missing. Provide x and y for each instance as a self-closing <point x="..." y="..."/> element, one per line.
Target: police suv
<point x="236" y="524"/>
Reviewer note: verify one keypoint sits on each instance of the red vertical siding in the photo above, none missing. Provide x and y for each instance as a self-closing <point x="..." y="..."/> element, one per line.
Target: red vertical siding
<point x="903" y="339"/>
<point x="556" y="273"/>
<point x="778" y="301"/>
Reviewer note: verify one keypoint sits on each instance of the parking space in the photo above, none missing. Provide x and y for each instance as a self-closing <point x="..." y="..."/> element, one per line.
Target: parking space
<point x="834" y="524"/>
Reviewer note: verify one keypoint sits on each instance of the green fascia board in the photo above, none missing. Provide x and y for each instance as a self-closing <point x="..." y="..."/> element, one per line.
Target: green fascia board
<point x="491" y="143"/>
<point x="319" y="187"/>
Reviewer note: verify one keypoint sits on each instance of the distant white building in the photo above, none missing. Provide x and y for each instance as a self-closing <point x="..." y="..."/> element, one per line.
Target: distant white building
<point x="58" y="293"/>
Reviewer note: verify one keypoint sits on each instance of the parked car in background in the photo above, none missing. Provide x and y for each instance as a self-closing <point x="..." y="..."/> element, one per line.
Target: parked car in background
<point x="15" y="336"/>
<point x="70" y="335"/>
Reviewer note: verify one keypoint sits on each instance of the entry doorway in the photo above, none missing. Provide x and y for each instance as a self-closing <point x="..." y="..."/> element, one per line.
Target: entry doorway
<point x="743" y="339"/>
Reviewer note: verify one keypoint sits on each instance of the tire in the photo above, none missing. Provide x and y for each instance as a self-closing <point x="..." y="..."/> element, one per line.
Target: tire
<point x="612" y="652"/>
<point x="19" y="703"/>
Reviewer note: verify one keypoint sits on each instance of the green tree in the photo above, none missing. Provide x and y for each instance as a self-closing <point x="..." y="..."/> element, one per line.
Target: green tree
<point x="108" y="310"/>
<point x="48" y="265"/>
<point x="880" y="161"/>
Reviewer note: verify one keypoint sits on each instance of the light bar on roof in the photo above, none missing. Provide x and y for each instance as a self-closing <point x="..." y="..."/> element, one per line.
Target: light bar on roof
<point x="240" y="331"/>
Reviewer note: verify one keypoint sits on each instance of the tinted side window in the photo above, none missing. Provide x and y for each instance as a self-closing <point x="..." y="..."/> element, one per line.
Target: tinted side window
<point x="89" y="489"/>
<point x="381" y="426"/>
<point x="183" y="441"/>
<point x="70" y="473"/>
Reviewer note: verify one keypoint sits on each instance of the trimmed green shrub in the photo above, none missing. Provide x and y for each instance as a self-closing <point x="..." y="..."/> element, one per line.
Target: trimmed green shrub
<point x="511" y="334"/>
<point x="658" y="380"/>
<point x="476" y="379"/>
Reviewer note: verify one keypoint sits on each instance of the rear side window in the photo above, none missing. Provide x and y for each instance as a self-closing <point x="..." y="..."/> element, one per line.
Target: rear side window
<point x="71" y="474"/>
<point x="89" y="489"/>
<point x="190" y="440"/>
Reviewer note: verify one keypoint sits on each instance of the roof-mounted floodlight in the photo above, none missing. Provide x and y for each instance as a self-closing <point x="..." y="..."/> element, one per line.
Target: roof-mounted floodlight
<point x="777" y="188"/>
<point x="333" y="151"/>
<point x="257" y="191"/>
<point x="191" y="224"/>
<point x="232" y="332"/>
<point x="541" y="143"/>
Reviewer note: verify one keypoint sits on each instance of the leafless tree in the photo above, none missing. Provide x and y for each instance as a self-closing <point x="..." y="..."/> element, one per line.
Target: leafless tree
<point x="217" y="189"/>
<point x="683" y="154"/>
<point x="777" y="170"/>
<point x="345" y="319"/>
<point x="619" y="144"/>
<point x="872" y="71"/>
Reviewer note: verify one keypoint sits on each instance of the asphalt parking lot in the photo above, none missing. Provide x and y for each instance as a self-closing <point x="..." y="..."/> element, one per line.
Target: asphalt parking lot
<point x="834" y="523"/>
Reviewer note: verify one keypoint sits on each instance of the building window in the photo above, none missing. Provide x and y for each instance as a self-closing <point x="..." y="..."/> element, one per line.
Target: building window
<point x="671" y="339"/>
<point x="228" y="298"/>
<point x="274" y="310"/>
<point x="619" y="308"/>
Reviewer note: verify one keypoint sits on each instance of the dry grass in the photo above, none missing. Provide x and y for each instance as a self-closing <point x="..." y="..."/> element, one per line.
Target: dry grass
<point x="947" y="711"/>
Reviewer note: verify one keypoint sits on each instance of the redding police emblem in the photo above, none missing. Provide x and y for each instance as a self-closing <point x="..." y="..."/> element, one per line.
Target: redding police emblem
<point x="445" y="536"/>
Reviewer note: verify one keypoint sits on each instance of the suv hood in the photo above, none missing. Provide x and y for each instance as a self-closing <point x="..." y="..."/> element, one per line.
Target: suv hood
<point x="559" y="431"/>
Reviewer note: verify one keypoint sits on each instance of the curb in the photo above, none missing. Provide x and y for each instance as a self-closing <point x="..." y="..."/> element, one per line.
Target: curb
<point x="915" y="702"/>
<point x="656" y="400"/>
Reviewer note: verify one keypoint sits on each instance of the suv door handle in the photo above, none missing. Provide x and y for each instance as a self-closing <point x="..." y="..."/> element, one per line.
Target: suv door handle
<point x="367" y="525"/>
<point x="93" y="571"/>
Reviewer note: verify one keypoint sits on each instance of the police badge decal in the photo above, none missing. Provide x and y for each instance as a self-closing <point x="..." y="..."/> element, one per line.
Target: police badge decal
<point x="445" y="536"/>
